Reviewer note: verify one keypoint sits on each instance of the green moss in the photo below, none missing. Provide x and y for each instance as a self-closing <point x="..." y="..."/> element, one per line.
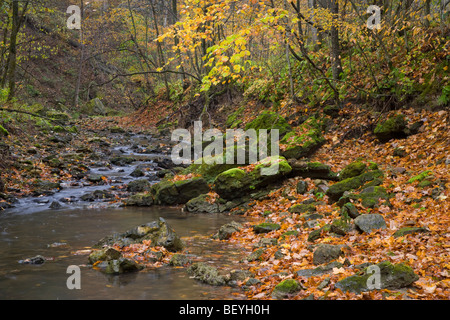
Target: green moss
<point x="302" y="208"/>
<point x="3" y="131"/>
<point x="420" y="176"/>
<point x="58" y="129"/>
<point x="338" y="189"/>
<point x="233" y="120"/>
<point x="409" y="230"/>
<point x="289" y="233"/>
<point x="352" y="170"/>
<point x="394" y="127"/>
<point x="370" y="196"/>
<point x="270" y="120"/>
<point x="288" y="286"/>
<point x="305" y="144"/>
<point x="266" y="227"/>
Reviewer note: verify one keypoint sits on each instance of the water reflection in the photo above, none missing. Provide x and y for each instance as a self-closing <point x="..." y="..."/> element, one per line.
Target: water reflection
<point x="27" y="235"/>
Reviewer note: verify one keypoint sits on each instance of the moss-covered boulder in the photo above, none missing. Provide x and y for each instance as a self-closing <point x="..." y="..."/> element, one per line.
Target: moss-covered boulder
<point x="60" y="117"/>
<point x="227" y="230"/>
<point x="370" y="197"/>
<point x="140" y="200"/>
<point x="266" y="227"/>
<point x="349" y="210"/>
<point x="179" y="260"/>
<point x="313" y="170"/>
<point x="393" y="128"/>
<point x="303" y="208"/>
<point x="302" y="145"/>
<point x="269" y="120"/>
<point x="168" y="192"/>
<point x="352" y="170"/>
<point x="410" y="230"/>
<point x="207" y="169"/>
<point x="286" y="288"/>
<point x="104" y="254"/>
<point x="201" y="204"/>
<point x="337" y="190"/>
<point x="139" y="185"/>
<point x="191" y="188"/>
<point x="235" y="183"/>
<point x="119" y="266"/>
<point x="207" y="274"/>
<point x="390" y="277"/>
<point x="340" y="227"/>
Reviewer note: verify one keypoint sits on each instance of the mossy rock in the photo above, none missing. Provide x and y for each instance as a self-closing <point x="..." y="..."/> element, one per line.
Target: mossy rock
<point x="286" y="288"/>
<point x="140" y="200"/>
<point x="349" y="210"/>
<point x="179" y="260"/>
<point x="255" y="255"/>
<point x="269" y="120"/>
<point x="370" y="196"/>
<point x="140" y="185"/>
<point x="314" y="235"/>
<point x="119" y="266"/>
<point x="61" y="117"/>
<point x="306" y="144"/>
<point x="302" y="208"/>
<point x="236" y="183"/>
<point x="313" y="170"/>
<point x="340" y="227"/>
<point x="180" y="192"/>
<point x="207" y="170"/>
<point x="337" y="190"/>
<point x="266" y="227"/>
<point x="392" y="277"/>
<point x="104" y="254"/>
<point x="116" y="129"/>
<point x="352" y="170"/>
<point x="393" y="128"/>
<point x="207" y="274"/>
<point x="410" y="230"/>
<point x="287" y="234"/>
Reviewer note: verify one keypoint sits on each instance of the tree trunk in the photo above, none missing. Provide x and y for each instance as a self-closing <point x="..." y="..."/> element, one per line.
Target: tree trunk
<point x="12" y="57"/>
<point x="335" y="47"/>
<point x="80" y="67"/>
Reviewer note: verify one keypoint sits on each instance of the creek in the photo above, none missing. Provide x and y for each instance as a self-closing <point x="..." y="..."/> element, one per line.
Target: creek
<point x="31" y="228"/>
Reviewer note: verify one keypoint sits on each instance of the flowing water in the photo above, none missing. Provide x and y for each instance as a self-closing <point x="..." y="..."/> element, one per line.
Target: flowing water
<point x="32" y="229"/>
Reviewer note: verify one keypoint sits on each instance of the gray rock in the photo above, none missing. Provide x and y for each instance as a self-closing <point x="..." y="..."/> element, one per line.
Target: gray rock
<point x="207" y="274"/>
<point x="121" y="265"/>
<point x="179" y="260"/>
<point x="200" y="204"/>
<point x="302" y="187"/>
<point x="228" y="229"/>
<point x="158" y="232"/>
<point x="369" y="222"/>
<point x="140" y="185"/>
<point x="33" y="260"/>
<point x="55" y="205"/>
<point x="325" y="253"/>
<point x="390" y="277"/>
